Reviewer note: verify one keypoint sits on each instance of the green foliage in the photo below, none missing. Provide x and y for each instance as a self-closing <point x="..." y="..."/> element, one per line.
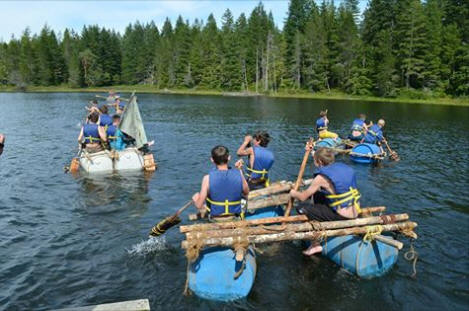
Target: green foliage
<point x="413" y="48"/>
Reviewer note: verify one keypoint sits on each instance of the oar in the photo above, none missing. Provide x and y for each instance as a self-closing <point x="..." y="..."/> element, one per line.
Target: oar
<point x="393" y="154"/>
<point x="105" y="97"/>
<point x="169" y="221"/>
<point x="300" y="177"/>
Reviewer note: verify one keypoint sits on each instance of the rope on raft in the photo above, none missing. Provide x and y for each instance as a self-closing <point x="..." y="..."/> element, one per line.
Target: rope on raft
<point x="412" y="255"/>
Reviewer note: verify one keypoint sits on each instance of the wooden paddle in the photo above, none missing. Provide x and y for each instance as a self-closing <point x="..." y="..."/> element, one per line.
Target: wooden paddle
<point x="169" y="221"/>
<point x="299" y="179"/>
<point x="393" y="154"/>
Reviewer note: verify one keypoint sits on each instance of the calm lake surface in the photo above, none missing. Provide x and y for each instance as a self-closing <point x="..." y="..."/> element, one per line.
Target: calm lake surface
<point x="69" y="241"/>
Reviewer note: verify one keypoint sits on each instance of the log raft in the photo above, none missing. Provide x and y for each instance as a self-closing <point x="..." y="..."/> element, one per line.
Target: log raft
<point x="229" y="241"/>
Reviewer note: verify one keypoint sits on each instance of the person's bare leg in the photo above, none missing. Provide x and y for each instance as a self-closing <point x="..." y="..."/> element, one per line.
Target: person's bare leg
<point x="313" y="249"/>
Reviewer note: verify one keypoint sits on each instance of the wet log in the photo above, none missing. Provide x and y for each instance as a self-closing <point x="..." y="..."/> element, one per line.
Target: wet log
<point x="241" y="223"/>
<point x="273" y="200"/>
<point x="389" y="241"/>
<point x="365" y="211"/>
<point x="291" y="235"/>
<point x="204" y="231"/>
<point x="278" y="187"/>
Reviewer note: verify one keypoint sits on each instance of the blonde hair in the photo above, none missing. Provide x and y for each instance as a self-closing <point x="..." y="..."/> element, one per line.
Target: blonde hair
<point x="381" y="122"/>
<point x="324" y="156"/>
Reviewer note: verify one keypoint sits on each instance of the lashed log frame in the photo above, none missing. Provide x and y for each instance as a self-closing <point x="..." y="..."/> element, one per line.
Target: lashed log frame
<point x="296" y="227"/>
<point x="274" y="220"/>
<point x="365" y="211"/>
<point x="277" y="187"/>
<point x="291" y="235"/>
<point x="389" y="241"/>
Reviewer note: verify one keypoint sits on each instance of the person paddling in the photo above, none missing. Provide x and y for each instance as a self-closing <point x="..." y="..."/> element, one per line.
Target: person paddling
<point x="321" y="126"/>
<point x="105" y="119"/>
<point x="359" y="128"/>
<point x="261" y="159"/>
<point x="332" y="195"/>
<point x="222" y="188"/>
<point x="374" y="135"/>
<point x="92" y="135"/>
<point x="114" y="134"/>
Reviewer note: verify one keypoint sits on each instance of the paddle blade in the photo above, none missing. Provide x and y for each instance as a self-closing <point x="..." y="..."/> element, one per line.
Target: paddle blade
<point x="395" y="156"/>
<point x="164" y="225"/>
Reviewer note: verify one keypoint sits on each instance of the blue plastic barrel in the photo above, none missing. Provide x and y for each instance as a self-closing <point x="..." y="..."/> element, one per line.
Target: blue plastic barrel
<point x="211" y="276"/>
<point x="328" y="143"/>
<point x="365" y="259"/>
<point x="364" y="149"/>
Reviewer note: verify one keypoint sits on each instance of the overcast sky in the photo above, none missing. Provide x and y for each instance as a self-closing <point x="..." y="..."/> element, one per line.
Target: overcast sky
<point x="15" y="16"/>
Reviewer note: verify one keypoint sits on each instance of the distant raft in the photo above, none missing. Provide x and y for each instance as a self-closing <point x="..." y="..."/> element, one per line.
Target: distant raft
<point x="217" y="275"/>
<point x="129" y="159"/>
<point x="367" y="259"/>
<point x="366" y="153"/>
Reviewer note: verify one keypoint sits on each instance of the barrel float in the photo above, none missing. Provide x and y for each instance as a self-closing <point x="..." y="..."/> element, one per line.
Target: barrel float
<point x="363" y="153"/>
<point x="212" y="275"/>
<point x="363" y="258"/>
<point x="328" y="143"/>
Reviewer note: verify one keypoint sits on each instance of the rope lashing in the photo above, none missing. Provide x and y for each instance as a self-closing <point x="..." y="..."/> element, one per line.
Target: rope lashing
<point x="412" y="255"/>
<point x="371" y="232"/>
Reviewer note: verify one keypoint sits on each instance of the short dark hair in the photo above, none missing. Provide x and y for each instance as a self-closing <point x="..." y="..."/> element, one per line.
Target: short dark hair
<point x="220" y="155"/>
<point x="263" y="137"/>
<point x="103" y="109"/>
<point x="116" y="116"/>
<point x="94" y="102"/>
<point x="324" y="155"/>
<point x="323" y="113"/>
<point x="93" y="117"/>
<point x="362" y="116"/>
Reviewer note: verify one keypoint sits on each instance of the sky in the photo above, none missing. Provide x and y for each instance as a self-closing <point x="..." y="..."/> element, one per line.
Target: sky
<point x="15" y="16"/>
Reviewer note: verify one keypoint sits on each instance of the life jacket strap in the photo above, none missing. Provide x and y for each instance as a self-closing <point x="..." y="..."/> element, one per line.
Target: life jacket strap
<point x="91" y="139"/>
<point x="372" y="133"/>
<point x="322" y="128"/>
<point x="339" y="199"/>
<point x="262" y="173"/>
<point x="226" y="204"/>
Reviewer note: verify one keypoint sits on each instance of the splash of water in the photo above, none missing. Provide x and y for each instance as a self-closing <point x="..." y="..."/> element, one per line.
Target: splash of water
<point x="153" y="244"/>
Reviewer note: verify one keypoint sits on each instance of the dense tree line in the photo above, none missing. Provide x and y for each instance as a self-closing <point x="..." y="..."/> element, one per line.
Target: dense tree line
<point x="396" y="46"/>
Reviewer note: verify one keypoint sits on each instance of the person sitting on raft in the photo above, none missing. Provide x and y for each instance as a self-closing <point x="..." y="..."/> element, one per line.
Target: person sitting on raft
<point x="374" y="135"/>
<point x="2" y="143"/>
<point x="321" y="127"/>
<point x="114" y="134"/>
<point x="261" y="159"/>
<point x="359" y="128"/>
<point x="333" y="194"/>
<point x="92" y="135"/>
<point x="119" y="106"/>
<point x="105" y="119"/>
<point x="93" y="106"/>
<point x="222" y="188"/>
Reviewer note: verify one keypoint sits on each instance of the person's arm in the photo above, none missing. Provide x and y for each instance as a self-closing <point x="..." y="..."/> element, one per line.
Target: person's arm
<point x="80" y="136"/>
<point x="245" y="184"/>
<point x="102" y="133"/>
<point x="318" y="182"/>
<point x="243" y="150"/>
<point x="200" y="197"/>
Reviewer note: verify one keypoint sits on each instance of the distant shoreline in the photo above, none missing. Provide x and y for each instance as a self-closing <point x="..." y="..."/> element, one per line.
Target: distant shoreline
<point x="333" y="95"/>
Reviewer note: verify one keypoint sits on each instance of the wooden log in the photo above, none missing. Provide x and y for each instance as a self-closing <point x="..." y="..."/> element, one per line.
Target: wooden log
<point x="273" y="200"/>
<point x="386" y="240"/>
<point x="296" y="227"/>
<point x="366" y="212"/>
<point x="131" y="305"/>
<point x="299" y="178"/>
<point x="241" y="223"/>
<point x="410" y="234"/>
<point x="277" y="187"/>
<point x="291" y="235"/>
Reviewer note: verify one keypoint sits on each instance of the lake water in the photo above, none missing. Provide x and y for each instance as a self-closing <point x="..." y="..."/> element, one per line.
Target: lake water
<point x="69" y="241"/>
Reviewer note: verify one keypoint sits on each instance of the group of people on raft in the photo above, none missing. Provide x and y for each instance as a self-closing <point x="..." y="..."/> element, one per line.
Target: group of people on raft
<point x="332" y="195"/>
<point x="101" y="130"/>
<point x="362" y="131"/>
